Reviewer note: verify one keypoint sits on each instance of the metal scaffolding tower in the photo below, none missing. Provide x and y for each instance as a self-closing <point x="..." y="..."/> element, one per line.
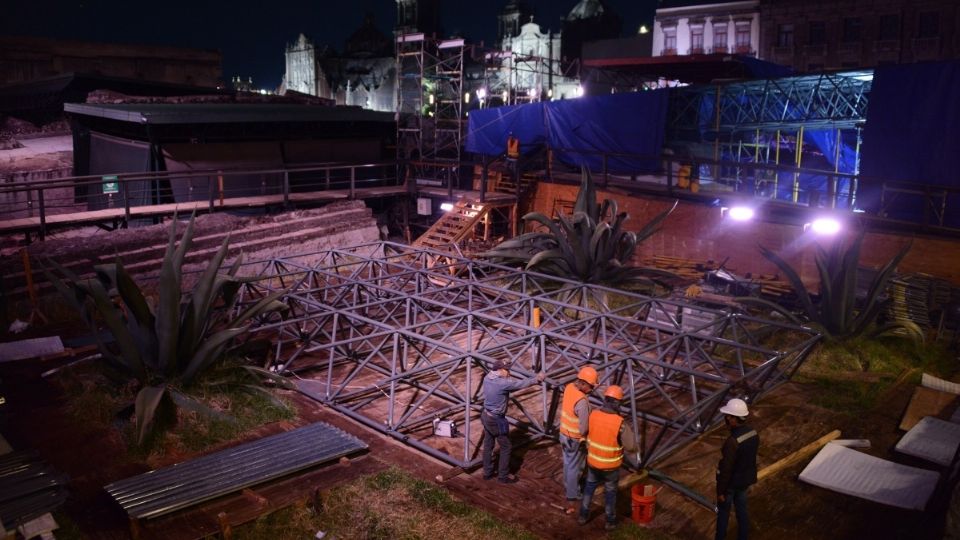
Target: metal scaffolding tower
<point x="397" y="337"/>
<point x="430" y="120"/>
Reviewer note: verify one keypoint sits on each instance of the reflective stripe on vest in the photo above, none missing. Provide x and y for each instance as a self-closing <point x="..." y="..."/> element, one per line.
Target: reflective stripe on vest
<point x="746" y="436"/>
<point x="569" y="421"/>
<point x="603" y="446"/>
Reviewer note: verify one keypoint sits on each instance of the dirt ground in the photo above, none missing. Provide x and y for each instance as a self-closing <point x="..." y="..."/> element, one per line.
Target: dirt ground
<point x="781" y="506"/>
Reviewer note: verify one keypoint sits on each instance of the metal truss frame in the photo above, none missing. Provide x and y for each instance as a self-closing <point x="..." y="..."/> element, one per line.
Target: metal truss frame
<point x="834" y="100"/>
<point x="396" y="337"/>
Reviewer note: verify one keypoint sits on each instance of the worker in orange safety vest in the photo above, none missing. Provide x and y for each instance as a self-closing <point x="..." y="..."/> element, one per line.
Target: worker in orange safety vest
<point x="574" y="425"/>
<point x="606" y="440"/>
<point x="513" y="147"/>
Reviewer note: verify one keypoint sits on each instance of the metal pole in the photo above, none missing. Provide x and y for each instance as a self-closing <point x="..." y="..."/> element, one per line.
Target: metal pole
<point x="125" y="193"/>
<point x="43" y="215"/>
<point x="286" y="189"/>
<point x="353" y="182"/>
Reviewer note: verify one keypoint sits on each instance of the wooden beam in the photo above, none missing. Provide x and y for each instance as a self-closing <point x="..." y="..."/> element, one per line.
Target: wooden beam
<point x="798" y="456"/>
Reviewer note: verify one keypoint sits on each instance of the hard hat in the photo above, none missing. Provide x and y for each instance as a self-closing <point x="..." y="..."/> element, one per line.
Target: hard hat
<point x="735" y="407"/>
<point x="614" y="391"/>
<point x="588" y="375"/>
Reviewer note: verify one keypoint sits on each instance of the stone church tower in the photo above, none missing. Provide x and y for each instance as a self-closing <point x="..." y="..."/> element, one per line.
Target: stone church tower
<point x="301" y="70"/>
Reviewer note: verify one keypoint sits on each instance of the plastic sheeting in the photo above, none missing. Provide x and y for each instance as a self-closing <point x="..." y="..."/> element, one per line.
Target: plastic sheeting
<point x="617" y="124"/>
<point x="931" y="439"/>
<point x="854" y="473"/>
<point x="912" y="132"/>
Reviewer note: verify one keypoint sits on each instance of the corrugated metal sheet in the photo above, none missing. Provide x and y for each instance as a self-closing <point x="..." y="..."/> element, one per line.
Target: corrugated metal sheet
<point x="185" y="484"/>
<point x="29" y="488"/>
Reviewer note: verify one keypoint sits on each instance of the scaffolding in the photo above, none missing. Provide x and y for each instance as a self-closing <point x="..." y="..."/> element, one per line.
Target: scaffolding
<point x="430" y="119"/>
<point x="765" y="122"/>
<point x="397" y="337"/>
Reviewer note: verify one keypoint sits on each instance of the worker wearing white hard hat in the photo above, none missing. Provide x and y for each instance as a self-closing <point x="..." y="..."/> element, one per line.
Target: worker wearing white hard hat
<point x="737" y="470"/>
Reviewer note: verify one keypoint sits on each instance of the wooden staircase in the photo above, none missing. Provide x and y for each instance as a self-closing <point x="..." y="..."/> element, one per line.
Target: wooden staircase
<point x="453" y="226"/>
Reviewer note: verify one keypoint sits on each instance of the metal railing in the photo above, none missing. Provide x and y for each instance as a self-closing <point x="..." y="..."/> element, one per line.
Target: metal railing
<point x="33" y="206"/>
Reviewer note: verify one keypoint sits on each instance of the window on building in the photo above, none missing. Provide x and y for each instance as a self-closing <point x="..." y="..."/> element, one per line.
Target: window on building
<point x="852" y="28"/>
<point x="889" y="27"/>
<point x="720" y="38"/>
<point x="670" y="40"/>
<point x="928" y="24"/>
<point x="818" y="33"/>
<point x="742" y="37"/>
<point x="696" y="40"/>
<point x="785" y="35"/>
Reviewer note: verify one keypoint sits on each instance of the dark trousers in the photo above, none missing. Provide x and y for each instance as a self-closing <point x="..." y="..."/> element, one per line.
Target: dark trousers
<point x="738" y="498"/>
<point x="495" y="430"/>
<point x="609" y="479"/>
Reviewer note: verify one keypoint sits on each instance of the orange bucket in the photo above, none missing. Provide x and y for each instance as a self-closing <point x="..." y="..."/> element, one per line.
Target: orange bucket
<point x="643" y="505"/>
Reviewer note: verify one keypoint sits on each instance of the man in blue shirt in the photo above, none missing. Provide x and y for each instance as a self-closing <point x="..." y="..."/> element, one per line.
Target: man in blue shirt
<point x="497" y="386"/>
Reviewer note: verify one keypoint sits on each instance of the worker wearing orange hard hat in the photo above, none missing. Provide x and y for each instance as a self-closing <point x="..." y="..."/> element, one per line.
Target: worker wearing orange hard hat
<point x="574" y="424"/>
<point x="606" y="440"/>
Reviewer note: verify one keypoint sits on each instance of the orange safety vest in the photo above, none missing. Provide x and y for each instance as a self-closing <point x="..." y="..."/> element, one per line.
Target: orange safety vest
<point x="513" y="147"/>
<point x="569" y="421"/>
<point x="603" y="445"/>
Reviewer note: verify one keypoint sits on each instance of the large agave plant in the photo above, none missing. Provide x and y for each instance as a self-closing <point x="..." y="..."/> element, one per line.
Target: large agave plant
<point x="837" y="313"/>
<point x="591" y="246"/>
<point x="164" y="348"/>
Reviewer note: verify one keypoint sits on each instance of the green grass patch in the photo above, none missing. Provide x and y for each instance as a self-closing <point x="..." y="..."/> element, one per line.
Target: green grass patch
<point x="98" y="396"/>
<point x="887" y="358"/>
<point x="388" y="505"/>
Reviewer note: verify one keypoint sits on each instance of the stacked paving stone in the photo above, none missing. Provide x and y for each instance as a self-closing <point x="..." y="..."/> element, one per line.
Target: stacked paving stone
<point x="141" y="249"/>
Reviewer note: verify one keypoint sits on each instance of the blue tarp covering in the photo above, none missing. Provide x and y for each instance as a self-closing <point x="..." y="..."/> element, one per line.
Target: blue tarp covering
<point x="912" y="132"/>
<point x="621" y="123"/>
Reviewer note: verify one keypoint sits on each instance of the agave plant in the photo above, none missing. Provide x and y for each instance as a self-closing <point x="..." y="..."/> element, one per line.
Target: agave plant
<point x="837" y="313"/>
<point x="164" y="348"/>
<point x="591" y="246"/>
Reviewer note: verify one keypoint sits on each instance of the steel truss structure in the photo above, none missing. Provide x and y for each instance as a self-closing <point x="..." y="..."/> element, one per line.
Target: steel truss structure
<point x="828" y="100"/>
<point x="430" y="119"/>
<point x="396" y="337"/>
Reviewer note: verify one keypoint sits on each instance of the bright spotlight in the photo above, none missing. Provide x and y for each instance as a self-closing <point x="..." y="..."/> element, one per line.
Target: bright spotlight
<point x="446" y="207"/>
<point x="825" y="226"/>
<point x="481" y="93"/>
<point x="580" y="91"/>
<point x="740" y="213"/>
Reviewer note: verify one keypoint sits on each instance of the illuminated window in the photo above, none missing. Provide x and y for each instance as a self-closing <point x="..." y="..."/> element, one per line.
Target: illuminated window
<point x="719" y="38"/>
<point x="696" y="40"/>
<point x="670" y="40"/>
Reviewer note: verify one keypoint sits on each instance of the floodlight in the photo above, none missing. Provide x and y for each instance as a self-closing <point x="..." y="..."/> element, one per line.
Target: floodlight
<point x="740" y="213"/>
<point x="446" y="207"/>
<point x="825" y="226"/>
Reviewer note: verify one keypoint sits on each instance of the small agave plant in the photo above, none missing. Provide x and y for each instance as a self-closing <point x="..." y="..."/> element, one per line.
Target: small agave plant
<point x="166" y="347"/>
<point x="837" y="313"/>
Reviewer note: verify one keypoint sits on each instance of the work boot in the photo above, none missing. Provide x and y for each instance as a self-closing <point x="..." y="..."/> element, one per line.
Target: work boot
<point x="582" y="519"/>
<point x="509" y="479"/>
<point x="611" y="525"/>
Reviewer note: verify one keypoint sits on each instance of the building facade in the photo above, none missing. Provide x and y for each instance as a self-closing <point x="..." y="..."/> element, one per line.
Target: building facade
<point x="364" y="75"/>
<point x="817" y="35"/>
<point x="708" y="28"/>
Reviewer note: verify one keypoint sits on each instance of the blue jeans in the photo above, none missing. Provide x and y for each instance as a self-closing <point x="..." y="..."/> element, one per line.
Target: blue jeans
<point x="495" y="431"/>
<point x="609" y="479"/>
<point x="574" y="457"/>
<point x="738" y="498"/>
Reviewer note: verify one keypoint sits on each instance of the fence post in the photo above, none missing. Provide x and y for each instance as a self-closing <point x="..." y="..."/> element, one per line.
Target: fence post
<point x="286" y="189"/>
<point x="43" y="215"/>
<point x="213" y="192"/>
<point x="125" y="193"/>
<point x="353" y="181"/>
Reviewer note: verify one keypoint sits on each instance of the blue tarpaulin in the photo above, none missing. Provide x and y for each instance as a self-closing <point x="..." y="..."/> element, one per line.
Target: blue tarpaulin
<point x="912" y="133"/>
<point x="617" y="124"/>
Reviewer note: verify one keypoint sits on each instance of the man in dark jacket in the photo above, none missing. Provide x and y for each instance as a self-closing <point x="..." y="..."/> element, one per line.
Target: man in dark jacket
<point x="737" y="470"/>
<point x="497" y="386"/>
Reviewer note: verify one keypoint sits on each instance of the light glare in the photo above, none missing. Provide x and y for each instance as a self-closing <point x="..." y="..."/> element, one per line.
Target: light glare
<point x="825" y="226"/>
<point x="446" y="207"/>
<point x="741" y="213"/>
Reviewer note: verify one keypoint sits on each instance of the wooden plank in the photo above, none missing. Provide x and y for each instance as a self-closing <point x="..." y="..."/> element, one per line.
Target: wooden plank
<point x="925" y="402"/>
<point x="798" y="456"/>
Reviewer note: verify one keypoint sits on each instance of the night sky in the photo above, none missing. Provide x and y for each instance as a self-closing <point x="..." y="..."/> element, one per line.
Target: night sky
<point x="251" y="34"/>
